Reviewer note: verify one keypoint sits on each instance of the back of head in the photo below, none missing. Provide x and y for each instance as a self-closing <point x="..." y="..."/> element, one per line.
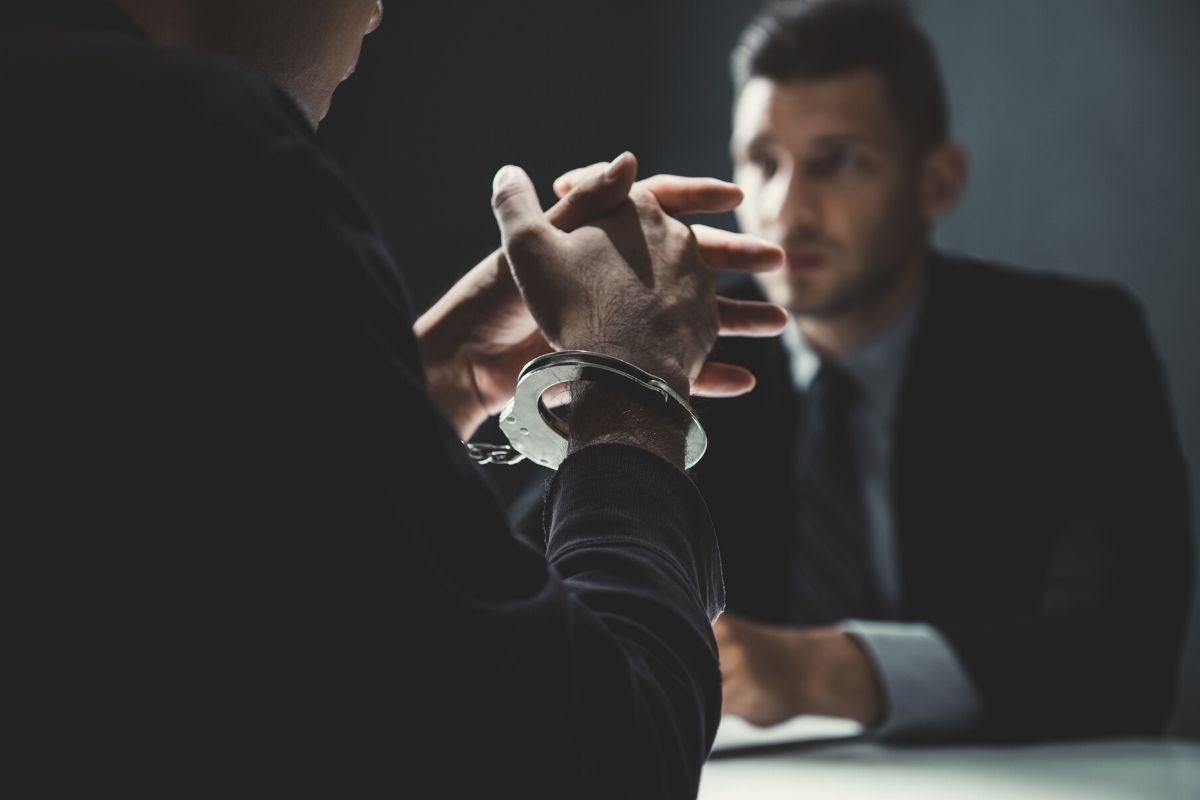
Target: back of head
<point x="816" y="39"/>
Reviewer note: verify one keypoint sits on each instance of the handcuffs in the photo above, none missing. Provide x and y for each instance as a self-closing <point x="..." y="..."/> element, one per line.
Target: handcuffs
<point x="536" y="433"/>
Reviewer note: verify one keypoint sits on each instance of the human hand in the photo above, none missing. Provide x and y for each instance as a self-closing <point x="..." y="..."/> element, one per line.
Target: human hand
<point x="720" y="249"/>
<point x="475" y="340"/>
<point x="772" y="673"/>
<point x="635" y="283"/>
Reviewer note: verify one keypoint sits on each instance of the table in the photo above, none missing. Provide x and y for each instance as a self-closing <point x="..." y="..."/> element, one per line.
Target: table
<point x="1132" y="769"/>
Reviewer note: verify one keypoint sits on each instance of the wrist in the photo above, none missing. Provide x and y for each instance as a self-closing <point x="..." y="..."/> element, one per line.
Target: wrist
<point x="610" y="415"/>
<point x="844" y="684"/>
<point x="657" y="364"/>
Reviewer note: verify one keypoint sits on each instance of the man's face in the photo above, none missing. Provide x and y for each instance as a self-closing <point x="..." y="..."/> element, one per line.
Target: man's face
<point x="308" y="47"/>
<point x="828" y="176"/>
<point x="345" y="24"/>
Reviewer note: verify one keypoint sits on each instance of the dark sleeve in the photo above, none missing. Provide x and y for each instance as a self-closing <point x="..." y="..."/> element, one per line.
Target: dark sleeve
<point x="1102" y="657"/>
<point x="478" y="663"/>
<point x="253" y="557"/>
<point x="526" y="510"/>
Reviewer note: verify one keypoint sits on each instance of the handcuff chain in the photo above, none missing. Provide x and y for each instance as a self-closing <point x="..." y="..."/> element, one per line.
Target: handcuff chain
<point x="484" y="454"/>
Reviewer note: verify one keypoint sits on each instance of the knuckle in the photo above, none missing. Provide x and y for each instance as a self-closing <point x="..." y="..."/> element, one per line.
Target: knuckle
<point x="504" y="196"/>
<point x="646" y="203"/>
<point x="640" y="194"/>
<point x="681" y="236"/>
<point x="523" y="237"/>
<point x="578" y="201"/>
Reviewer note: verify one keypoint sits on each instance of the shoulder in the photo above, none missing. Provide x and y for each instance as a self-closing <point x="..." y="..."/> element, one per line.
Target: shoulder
<point x="216" y="166"/>
<point x="114" y="85"/>
<point x="160" y="126"/>
<point x="973" y="279"/>
<point x="1043" y="304"/>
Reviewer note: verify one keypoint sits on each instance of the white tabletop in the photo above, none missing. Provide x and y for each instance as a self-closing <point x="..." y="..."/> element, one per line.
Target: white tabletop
<point x="1096" y="770"/>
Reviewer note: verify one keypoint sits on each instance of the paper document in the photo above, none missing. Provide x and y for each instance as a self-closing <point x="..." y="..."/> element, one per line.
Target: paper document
<point x="736" y="732"/>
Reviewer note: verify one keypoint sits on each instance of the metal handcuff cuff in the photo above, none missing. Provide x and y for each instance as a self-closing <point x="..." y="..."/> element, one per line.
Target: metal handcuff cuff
<point x="536" y="433"/>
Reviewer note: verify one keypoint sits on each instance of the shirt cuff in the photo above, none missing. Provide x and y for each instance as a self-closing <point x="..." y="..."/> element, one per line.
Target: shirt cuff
<point x="927" y="689"/>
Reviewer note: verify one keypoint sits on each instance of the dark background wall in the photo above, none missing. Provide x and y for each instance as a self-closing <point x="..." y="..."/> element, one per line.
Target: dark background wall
<point x="447" y="93"/>
<point x="1081" y="117"/>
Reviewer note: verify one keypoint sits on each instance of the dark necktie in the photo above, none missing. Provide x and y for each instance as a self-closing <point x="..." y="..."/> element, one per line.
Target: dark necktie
<point x="831" y="574"/>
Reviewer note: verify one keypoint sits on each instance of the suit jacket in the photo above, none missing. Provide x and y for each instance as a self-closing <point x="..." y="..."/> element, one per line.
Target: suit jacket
<point x="1039" y="491"/>
<point x="250" y="556"/>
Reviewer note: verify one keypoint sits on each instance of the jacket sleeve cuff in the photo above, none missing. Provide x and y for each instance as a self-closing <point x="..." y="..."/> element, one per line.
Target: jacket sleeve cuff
<point x="927" y="689"/>
<point x="611" y="492"/>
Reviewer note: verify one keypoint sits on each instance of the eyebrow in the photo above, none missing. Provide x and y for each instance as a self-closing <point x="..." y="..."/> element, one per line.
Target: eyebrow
<point x="758" y="141"/>
<point x="825" y="139"/>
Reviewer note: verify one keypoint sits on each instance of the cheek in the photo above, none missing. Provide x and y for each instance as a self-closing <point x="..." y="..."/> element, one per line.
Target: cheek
<point x="862" y="214"/>
<point x="746" y="219"/>
<point x="749" y="213"/>
<point x="346" y="39"/>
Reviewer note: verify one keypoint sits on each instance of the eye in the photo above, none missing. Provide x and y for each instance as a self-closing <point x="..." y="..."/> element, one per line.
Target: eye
<point x="839" y="160"/>
<point x="765" y="163"/>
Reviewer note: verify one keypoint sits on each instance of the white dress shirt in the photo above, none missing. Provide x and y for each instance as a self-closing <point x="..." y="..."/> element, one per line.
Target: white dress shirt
<point x="926" y="688"/>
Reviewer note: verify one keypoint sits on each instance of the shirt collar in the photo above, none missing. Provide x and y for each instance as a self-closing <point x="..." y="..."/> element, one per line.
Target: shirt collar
<point x="878" y="365"/>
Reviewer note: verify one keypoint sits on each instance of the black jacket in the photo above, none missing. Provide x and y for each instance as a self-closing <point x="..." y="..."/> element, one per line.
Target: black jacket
<point x="1040" y="495"/>
<point x="253" y="558"/>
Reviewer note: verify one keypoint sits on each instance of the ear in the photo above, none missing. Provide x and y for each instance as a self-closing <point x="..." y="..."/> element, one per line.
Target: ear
<point x="943" y="177"/>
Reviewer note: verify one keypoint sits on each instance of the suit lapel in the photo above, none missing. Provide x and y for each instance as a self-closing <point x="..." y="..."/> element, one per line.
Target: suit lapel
<point x="927" y="464"/>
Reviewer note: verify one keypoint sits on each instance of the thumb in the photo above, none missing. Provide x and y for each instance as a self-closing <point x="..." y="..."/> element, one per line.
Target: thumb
<point x="515" y="203"/>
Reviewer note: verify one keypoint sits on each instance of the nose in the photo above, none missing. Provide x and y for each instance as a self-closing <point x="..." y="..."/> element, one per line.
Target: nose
<point x="790" y="200"/>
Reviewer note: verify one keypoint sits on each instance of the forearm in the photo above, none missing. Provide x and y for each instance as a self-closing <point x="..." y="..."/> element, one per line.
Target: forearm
<point x="1105" y="672"/>
<point x="632" y="541"/>
<point x="1101" y="655"/>
<point x="837" y="679"/>
<point x="606" y="415"/>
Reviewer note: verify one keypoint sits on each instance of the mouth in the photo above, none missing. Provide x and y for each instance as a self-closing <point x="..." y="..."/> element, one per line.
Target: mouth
<point x="804" y="260"/>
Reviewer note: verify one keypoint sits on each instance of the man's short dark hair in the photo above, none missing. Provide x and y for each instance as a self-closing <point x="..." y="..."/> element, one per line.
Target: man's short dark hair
<point x="816" y="39"/>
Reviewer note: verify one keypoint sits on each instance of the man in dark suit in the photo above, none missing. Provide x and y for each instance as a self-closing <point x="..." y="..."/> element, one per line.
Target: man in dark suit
<point x="253" y="557"/>
<point x="955" y="504"/>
